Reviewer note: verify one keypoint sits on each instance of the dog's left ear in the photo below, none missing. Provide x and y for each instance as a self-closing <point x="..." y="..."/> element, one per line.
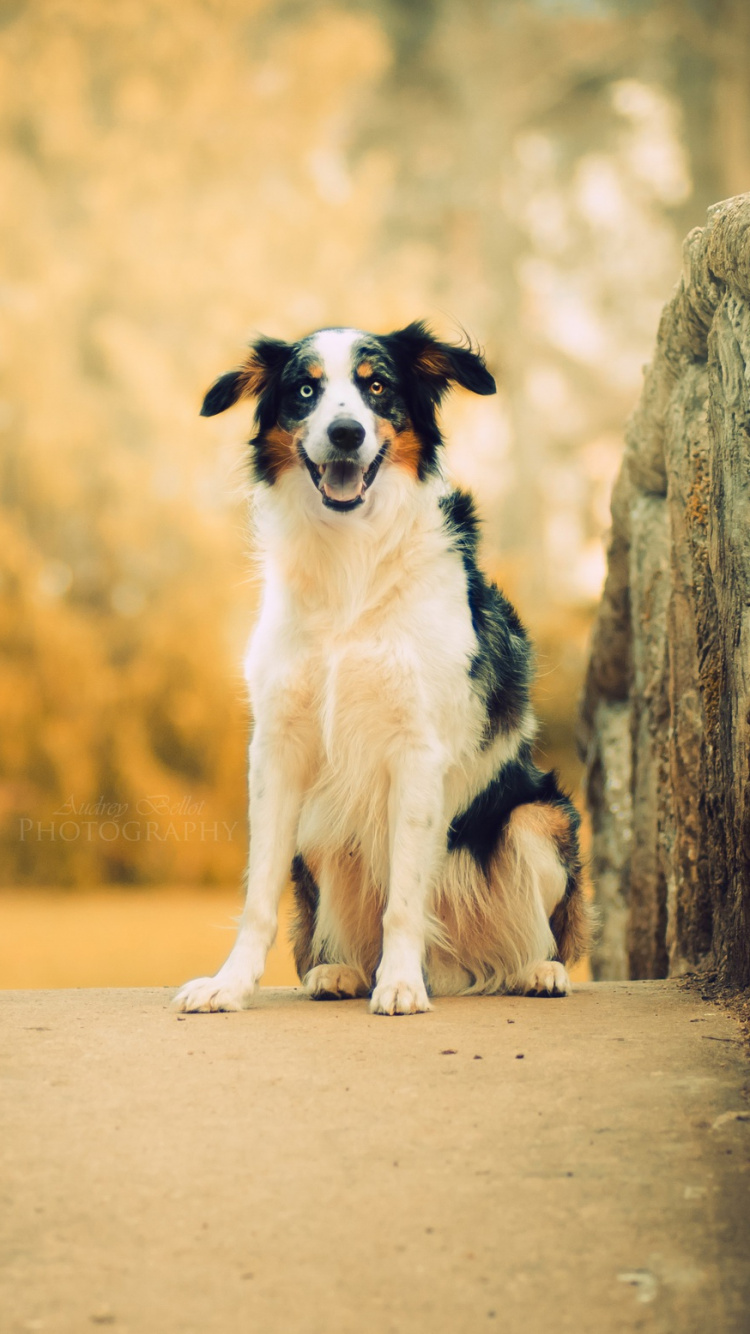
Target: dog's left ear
<point x="265" y="360"/>
<point x="441" y="364"/>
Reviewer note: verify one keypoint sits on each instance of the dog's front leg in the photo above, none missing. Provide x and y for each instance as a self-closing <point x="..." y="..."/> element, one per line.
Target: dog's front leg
<point x="275" y="799"/>
<point x="417" y="838"/>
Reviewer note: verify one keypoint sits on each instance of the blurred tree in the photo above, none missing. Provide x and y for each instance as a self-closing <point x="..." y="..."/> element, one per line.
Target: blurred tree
<point x="173" y="176"/>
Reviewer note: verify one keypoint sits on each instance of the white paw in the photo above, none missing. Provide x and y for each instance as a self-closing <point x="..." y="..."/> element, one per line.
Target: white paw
<point x="546" y="979"/>
<point x="334" y="981"/>
<point x="205" y="994"/>
<point x="399" y="998"/>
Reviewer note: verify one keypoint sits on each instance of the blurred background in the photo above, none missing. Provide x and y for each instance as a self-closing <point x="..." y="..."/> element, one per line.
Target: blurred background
<point x="176" y="177"/>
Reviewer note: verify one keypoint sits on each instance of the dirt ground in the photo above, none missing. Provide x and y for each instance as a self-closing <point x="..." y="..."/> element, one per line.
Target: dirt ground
<point x="504" y="1163"/>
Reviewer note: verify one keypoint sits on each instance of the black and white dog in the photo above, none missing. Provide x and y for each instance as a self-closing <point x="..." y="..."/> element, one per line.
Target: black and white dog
<point x="390" y="766"/>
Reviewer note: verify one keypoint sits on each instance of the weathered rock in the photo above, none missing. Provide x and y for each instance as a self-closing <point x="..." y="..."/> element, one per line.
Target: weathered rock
<point x="665" y="726"/>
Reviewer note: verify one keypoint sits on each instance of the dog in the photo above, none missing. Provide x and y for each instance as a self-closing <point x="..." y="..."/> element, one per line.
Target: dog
<point x="391" y="769"/>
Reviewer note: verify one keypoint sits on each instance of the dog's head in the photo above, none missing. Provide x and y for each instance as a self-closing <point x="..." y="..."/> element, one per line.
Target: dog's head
<point x="342" y="402"/>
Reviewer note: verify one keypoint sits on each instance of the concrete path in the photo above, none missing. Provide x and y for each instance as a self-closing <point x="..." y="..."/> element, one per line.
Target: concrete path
<point x="503" y="1164"/>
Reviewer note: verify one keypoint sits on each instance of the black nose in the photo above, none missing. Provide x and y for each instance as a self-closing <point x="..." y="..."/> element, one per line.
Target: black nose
<point x="346" y="433"/>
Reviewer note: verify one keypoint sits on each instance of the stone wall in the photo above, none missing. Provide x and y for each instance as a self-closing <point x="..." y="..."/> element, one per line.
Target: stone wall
<point x="665" y="726"/>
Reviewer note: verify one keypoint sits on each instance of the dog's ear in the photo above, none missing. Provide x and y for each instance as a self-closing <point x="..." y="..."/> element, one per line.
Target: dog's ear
<point x="223" y="393"/>
<point x="264" y="362"/>
<point x="440" y="364"/>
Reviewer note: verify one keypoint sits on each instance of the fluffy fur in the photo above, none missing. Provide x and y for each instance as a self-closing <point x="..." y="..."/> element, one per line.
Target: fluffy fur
<point x="390" y="765"/>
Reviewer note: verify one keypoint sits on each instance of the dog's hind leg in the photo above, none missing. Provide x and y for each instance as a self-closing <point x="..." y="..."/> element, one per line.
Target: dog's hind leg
<point x="334" y="981"/>
<point x="548" y="978"/>
<point x="306" y="904"/>
<point x="322" y="978"/>
<point x="541" y="843"/>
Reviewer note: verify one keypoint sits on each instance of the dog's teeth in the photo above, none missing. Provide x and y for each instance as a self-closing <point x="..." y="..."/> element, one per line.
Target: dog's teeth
<point x="321" y="468"/>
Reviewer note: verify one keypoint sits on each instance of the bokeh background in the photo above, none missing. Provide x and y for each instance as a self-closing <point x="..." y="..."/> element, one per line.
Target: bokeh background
<point x="175" y="177"/>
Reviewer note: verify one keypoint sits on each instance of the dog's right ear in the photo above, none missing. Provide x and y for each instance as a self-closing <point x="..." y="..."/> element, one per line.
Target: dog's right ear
<point x="265" y="360"/>
<point x="223" y="393"/>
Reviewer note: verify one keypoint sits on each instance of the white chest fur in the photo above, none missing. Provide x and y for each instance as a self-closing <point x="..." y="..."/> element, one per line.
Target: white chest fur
<point x="362" y="651"/>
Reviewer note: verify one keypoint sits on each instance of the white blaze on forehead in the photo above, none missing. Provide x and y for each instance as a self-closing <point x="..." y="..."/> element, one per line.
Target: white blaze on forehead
<point x="340" y="396"/>
<point x="335" y="348"/>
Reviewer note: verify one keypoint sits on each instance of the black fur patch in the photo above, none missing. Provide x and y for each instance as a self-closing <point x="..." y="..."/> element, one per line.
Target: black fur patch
<point x="501" y="669"/>
<point x="223" y="394"/>
<point x="501" y="673"/>
<point x="306" y="899"/>
<point x="478" y="829"/>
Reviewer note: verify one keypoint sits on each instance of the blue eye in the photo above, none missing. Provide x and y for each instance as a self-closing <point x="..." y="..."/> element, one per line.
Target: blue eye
<point x="306" y="391"/>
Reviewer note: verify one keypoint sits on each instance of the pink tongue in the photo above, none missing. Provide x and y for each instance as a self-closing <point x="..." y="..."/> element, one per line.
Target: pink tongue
<point x="342" y="481"/>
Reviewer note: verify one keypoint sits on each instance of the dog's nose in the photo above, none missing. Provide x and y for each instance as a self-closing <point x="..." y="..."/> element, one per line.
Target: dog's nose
<point x="346" y="433"/>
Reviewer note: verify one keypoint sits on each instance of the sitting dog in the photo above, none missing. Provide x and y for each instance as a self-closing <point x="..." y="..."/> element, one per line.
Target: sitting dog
<point x="391" y="768"/>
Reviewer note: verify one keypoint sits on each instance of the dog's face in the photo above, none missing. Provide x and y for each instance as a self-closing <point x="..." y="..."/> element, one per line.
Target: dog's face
<point x="341" y="402"/>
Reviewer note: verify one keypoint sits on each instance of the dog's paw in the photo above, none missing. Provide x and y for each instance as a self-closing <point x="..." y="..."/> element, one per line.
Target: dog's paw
<point x="548" y="978"/>
<point x="206" y="994"/>
<point x="334" y="981"/>
<point x="399" y="998"/>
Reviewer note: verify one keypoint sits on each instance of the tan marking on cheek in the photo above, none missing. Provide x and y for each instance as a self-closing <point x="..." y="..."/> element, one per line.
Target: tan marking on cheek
<point x="406" y="451"/>
<point x="280" y="451"/>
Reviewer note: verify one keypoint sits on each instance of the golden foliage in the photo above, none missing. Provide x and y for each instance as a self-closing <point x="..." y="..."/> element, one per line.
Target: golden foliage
<point x="175" y="176"/>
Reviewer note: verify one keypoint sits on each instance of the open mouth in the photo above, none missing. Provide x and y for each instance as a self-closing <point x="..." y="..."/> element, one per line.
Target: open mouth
<point x="342" y="483"/>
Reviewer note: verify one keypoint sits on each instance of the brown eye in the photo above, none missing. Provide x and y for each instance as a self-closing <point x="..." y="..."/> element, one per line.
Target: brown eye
<point x="376" y="386"/>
